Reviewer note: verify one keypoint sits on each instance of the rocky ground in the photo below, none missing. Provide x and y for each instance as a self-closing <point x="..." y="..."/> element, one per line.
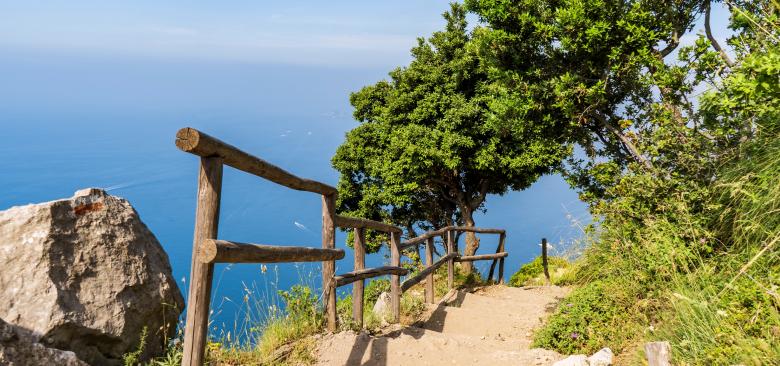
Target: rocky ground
<point x="486" y="326"/>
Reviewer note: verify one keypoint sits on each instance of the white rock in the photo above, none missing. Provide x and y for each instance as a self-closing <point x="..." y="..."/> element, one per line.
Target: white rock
<point x="576" y="360"/>
<point x="382" y="305"/>
<point x="84" y="274"/>
<point x="658" y="353"/>
<point x="601" y="358"/>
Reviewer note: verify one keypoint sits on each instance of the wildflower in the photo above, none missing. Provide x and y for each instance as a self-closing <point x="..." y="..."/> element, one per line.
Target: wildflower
<point x="575" y="335"/>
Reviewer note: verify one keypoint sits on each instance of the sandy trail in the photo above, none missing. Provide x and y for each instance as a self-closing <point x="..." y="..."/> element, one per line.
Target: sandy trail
<point x="486" y="326"/>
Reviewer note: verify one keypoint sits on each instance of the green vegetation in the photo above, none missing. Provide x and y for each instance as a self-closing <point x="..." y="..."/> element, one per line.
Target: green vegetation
<point x="690" y="258"/>
<point x="134" y="358"/>
<point x="532" y="274"/>
<point x="429" y="149"/>
<point x="678" y="158"/>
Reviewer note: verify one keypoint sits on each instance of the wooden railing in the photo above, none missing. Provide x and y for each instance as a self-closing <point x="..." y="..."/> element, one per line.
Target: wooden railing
<point x="208" y="250"/>
<point x="451" y="257"/>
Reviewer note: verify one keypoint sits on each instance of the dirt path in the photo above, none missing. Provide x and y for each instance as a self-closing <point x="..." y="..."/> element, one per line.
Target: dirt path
<point x="488" y="326"/>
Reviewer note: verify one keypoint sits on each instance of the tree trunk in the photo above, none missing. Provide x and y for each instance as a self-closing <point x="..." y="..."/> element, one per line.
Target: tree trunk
<point x="472" y="242"/>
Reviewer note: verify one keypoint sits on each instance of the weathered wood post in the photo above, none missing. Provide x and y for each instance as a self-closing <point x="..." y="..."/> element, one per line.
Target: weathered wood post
<point x="501" y="243"/>
<point x="451" y="262"/>
<point x="544" y="261"/>
<point x="206" y="225"/>
<point x="358" y="286"/>
<point x="329" y="267"/>
<point x="395" y="280"/>
<point x="429" y="289"/>
<point x="499" y="249"/>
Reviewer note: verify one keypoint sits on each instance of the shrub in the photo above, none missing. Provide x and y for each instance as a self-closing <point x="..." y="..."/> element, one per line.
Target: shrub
<point x="590" y="318"/>
<point x="534" y="270"/>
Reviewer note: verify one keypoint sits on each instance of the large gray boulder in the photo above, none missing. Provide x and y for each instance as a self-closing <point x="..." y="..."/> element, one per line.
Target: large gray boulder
<point x="84" y="274"/>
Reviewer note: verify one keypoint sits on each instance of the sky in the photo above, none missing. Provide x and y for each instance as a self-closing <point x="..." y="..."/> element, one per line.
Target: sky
<point x="344" y="33"/>
<point x="93" y="92"/>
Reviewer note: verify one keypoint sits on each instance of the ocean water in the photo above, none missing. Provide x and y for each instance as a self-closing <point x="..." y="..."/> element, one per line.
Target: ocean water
<point x="70" y="121"/>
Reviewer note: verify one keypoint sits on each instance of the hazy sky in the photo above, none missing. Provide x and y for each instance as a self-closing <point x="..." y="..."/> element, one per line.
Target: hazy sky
<point x="344" y="33"/>
<point x="364" y="33"/>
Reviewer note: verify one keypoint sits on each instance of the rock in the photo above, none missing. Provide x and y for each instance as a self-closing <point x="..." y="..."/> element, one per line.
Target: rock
<point x="658" y="353"/>
<point x="18" y="349"/>
<point x="382" y="305"/>
<point x="84" y="274"/>
<point x="601" y="358"/>
<point x="576" y="360"/>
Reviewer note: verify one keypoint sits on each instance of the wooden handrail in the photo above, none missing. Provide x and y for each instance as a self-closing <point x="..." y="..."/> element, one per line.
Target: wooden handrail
<point x="481" y="257"/>
<point x="208" y="250"/>
<point x="431" y="234"/>
<point x="195" y="142"/>
<point x="425" y="272"/>
<point x="362" y="274"/>
<point x="358" y="223"/>
<point x="223" y="251"/>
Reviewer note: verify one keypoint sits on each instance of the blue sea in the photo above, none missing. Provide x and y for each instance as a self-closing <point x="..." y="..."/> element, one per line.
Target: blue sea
<point x="73" y="120"/>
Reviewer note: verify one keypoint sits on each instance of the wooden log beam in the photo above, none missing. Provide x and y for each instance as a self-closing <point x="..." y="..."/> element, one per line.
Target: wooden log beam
<point x="201" y="274"/>
<point x="223" y="251"/>
<point x="195" y="142"/>
<point x="425" y="272"/>
<point x="362" y="274"/>
<point x="430" y="234"/>
<point x="471" y="258"/>
<point x="358" y="223"/>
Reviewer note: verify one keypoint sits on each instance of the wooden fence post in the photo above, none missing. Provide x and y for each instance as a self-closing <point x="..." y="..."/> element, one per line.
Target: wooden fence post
<point x="206" y="225"/>
<point x="329" y="267"/>
<point x="499" y="249"/>
<point x="358" y="286"/>
<point x="501" y="244"/>
<point x="544" y="261"/>
<point x="451" y="262"/>
<point x="395" y="280"/>
<point x="429" y="289"/>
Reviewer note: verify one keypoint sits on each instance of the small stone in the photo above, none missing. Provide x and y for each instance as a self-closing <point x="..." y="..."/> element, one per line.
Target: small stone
<point x="576" y="360"/>
<point x="658" y="353"/>
<point x="601" y="358"/>
<point x="382" y="306"/>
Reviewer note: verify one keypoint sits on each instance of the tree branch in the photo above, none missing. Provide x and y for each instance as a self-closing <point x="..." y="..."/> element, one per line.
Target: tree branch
<point x="483" y="187"/>
<point x="673" y="43"/>
<point x="626" y="141"/>
<point x="712" y="39"/>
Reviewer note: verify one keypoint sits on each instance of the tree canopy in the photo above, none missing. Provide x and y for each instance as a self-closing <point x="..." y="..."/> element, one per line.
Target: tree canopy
<point x="615" y="71"/>
<point x="431" y="145"/>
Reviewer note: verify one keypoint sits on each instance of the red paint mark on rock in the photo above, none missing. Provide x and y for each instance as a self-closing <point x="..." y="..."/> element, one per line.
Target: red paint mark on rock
<point x="86" y="208"/>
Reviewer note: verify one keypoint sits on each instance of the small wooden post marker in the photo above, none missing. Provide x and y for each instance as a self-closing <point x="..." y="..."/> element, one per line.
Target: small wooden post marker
<point x="544" y="261"/>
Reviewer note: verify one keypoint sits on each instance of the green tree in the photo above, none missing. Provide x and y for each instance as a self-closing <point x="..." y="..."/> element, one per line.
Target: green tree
<point x="600" y="68"/>
<point x="431" y="145"/>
